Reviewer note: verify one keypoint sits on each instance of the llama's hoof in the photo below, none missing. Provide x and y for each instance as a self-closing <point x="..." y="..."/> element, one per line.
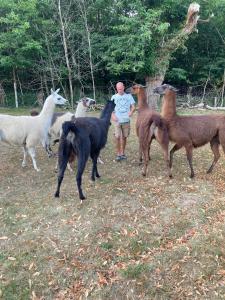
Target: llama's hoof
<point x="56" y="195"/>
<point x="82" y="198"/>
<point x="98" y="176"/>
<point x="143" y="174"/>
<point x="170" y="176"/>
<point x="24" y="165"/>
<point x="93" y="179"/>
<point x="209" y="171"/>
<point x="38" y="170"/>
<point x="192" y="176"/>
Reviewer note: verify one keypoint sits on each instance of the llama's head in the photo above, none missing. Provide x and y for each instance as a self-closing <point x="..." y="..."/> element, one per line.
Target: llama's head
<point x="59" y="100"/>
<point x="87" y="101"/>
<point x="161" y="90"/>
<point x="135" y="89"/>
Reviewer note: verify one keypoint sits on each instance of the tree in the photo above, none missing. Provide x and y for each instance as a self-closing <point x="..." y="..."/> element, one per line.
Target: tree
<point x="144" y="38"/>
<point x="18" y="47"/>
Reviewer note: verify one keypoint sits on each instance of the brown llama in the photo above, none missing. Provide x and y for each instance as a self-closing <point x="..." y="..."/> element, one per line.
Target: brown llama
<point x="191" y="131"/>
<point x="149" y="125"/>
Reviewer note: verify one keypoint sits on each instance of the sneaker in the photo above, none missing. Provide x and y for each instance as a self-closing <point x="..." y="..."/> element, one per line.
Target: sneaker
<point x="118" y="158"/>
<point x="123" y="156"/>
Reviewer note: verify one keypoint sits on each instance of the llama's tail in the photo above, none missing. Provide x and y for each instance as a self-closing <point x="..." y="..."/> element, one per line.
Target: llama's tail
<point x="157" y="121"/>
<point x="69" y="126"/>
<point x="148" y="128"/>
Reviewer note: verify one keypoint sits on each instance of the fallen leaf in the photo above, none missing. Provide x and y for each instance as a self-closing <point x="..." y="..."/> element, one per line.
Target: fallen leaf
<point x="221" y="272"/>
<point x="11" y="258"/>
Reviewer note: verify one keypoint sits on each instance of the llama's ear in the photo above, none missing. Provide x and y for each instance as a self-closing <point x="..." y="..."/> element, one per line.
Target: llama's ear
<point x="174" y="89"/>
<point x="57" y="91"/>
<point x="52" y="91"/>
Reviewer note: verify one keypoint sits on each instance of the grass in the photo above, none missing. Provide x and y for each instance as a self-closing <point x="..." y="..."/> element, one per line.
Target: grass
<point x="132" y="238"/>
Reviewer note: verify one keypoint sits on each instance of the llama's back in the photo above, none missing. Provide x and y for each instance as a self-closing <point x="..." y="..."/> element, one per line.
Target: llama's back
<point x="57" y="125"/>
<point x="200" y="129"/>
<point x="15" y="129"/>
<point x="96" y="129"/>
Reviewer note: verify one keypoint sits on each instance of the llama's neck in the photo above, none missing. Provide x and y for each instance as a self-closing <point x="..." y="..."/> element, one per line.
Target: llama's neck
<point x="48" y="109"/>
<point x="169" y="105"/>
<point x="106" y="113"/>
<point x="142" y="100"/>
<point x="81" y="110"/>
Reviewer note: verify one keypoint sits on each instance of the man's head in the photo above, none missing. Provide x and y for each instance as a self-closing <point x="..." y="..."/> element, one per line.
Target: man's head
<point x="120" y="88"/>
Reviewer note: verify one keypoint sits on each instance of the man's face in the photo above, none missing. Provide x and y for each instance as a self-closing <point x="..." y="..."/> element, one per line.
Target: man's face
<point x="120" y="88"/>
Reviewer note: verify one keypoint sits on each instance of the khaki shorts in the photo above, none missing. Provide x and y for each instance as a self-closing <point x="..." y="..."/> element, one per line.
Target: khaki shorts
<point x="122" y="130"/>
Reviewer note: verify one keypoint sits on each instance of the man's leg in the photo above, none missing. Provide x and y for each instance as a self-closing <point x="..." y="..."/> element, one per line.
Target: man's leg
<point x="123" y="145"/>
<point x="118" y="134"/>
<point x="118" y="145"/>
<point x="125" y="134"/>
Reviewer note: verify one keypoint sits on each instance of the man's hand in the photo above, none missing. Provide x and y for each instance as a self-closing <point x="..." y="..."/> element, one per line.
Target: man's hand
<point x="131" y="111"/>
<point x="114" y="118"/>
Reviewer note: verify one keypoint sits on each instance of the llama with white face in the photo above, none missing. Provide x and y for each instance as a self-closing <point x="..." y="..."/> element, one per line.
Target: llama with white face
<point x="29" y="131"/>
<point x="59" y="118"/>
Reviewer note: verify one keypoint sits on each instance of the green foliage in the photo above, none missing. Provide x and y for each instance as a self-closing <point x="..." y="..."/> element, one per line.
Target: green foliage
<point x="133" y="272"/>
<point x="131" y="43"/>
<point x="18" y="45"/>
<point x="126" y="37"/>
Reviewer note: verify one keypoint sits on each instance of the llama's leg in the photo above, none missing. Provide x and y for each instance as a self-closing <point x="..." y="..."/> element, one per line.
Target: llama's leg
<point x="63" y="158"/>
<point x="94" y="172"/>
<point x="69" y="167"/>
<point x="146" y="160"/>
<point x="140" y="155"/>
<point x="32" y="153"/>
<point x="100" y="161"/>
<point x="62" y="168"/>
<point x="56" y="165"/>
<point x="174" y="149"/>
<point x="46" y="145"/>
<point x="166" y="158"/>
<point x="189" y="150"/>
<point x="61" y="164"/>
<point x="24" y="156"/>
<point x="163" y="140"/>
<point x="80" y="169"/>
<point x="215" y="149"/>
<point x="72" y="158"/>
<point x="149" y="148"/>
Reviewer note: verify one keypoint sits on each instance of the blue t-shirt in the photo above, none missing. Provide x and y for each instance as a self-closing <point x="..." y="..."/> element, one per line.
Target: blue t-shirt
<point x="122" y="108"/>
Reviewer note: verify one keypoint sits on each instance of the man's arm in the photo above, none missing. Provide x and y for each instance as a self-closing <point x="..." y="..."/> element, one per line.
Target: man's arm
<point x="132" y="110"/>
<point x="113" y="116"/>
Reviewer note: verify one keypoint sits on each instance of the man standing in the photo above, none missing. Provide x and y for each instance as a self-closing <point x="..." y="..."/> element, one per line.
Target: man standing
<point x="121" y="116"/>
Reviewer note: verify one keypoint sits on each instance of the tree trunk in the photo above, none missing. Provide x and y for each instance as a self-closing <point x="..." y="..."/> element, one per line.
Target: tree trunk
<point x="21" y="90"/>
<point x="83" y="10"/>
<point x="223" y="87"/>
<point x="15" y="88"/>
<point x="46" y="84"/>
<point x="151" y="83"/>
<point x="168" y="48"/>
<point x="66" y="53"/>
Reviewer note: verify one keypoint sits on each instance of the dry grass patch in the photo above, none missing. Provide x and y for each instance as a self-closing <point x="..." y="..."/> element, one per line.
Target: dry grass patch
<point x="133" y="238"/>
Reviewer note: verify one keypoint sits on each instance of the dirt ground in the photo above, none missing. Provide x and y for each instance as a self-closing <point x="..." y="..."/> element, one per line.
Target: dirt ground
<point x="132" y="238"/>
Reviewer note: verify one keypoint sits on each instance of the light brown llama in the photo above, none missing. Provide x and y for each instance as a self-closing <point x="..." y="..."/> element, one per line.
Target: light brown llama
<point x="191" y="131"/>
<point x="149" y="125"/>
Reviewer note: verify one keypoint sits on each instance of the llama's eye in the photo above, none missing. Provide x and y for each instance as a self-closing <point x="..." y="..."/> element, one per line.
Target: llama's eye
<point x="58" y="98"/>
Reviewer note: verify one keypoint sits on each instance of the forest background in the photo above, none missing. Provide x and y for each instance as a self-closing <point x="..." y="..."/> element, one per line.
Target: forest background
<point x="86" y="46"/>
